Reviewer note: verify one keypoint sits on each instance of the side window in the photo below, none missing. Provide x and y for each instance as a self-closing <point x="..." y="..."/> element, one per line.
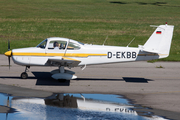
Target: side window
<point x="73" y="46"/>
<point x="57" y="45"/>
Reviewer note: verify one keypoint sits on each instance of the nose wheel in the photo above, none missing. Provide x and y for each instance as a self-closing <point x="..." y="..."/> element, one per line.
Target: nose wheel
<point x="24" y="75"/>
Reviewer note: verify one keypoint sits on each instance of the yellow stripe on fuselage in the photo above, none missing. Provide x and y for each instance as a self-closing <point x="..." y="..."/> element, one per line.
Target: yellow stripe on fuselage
<point x="66" y="58"/>
<point x="83" y="54"/>
<point x="58" y="54"/>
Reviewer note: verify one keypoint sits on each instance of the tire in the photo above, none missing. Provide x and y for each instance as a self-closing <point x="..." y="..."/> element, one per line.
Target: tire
<point x="24" y="75"/>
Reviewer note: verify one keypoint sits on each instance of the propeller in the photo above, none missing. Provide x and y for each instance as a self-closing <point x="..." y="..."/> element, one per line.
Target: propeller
<point x="8" y="53"/>
<point x="9" y="62"/>
<point x="8" y="45"/>
<point x="9" y="56"/>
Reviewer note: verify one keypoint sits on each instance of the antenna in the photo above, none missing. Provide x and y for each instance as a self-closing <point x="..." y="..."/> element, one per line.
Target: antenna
<point x="105" y="40"/>
<point x="130" y="42"/>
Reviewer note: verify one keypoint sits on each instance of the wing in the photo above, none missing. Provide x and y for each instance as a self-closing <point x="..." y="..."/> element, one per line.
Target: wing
<point x="64" y="61"/>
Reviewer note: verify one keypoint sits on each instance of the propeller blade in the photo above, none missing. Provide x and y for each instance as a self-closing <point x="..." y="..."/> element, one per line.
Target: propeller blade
<point x="11" y="53"/>
<point x="7" y="106"/>
<point x="6" y="115"/>
<point x="9" y="61"/>
<point x="8" y="45"/>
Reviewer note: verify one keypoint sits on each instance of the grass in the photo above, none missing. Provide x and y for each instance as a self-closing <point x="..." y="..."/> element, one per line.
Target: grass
<point x="27" y="22"/>
<point x="159" y="66"/>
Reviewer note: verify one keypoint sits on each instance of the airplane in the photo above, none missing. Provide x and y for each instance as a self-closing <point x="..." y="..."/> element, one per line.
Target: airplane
<point x="64" y="52"/>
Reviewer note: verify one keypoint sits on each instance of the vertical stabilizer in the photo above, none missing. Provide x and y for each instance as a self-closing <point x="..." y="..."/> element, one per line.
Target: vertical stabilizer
<point x="160" y="41"/>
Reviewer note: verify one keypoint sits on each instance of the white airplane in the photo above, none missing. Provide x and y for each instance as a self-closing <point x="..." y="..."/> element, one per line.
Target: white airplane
<point x="64" y="52"/>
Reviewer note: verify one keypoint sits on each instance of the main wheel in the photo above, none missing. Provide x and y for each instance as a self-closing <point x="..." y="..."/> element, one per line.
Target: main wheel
<point x="24" y="75"/>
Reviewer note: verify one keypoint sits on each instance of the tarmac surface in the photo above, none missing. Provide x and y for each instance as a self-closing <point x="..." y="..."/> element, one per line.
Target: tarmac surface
<point x="155" y="85"/>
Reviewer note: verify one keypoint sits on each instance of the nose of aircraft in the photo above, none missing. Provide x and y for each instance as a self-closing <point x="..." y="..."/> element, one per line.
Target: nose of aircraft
<point x="8" y="53"/>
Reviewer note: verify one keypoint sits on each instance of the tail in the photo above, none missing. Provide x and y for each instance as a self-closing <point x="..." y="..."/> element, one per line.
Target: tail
<point x="160" y="41"/>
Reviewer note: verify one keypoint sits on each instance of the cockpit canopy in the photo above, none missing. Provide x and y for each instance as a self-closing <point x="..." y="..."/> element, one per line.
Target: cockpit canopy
<point x="60" y="44"/>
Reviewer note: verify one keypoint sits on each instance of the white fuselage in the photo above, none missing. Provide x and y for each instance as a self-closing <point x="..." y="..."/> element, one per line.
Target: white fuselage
<point x="88" y="55"/>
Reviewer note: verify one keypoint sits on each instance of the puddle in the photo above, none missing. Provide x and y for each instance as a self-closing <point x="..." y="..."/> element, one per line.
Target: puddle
<point x="71" y="107"/>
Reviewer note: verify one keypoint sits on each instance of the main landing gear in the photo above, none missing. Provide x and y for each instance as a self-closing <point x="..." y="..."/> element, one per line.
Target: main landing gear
<point x="24" y="75"/>
<point x="61" y="74"/>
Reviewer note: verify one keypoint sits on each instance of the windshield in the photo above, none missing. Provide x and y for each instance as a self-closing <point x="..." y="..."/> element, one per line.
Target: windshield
<point x="42" y="44"/>
<point x="81" y="43"/>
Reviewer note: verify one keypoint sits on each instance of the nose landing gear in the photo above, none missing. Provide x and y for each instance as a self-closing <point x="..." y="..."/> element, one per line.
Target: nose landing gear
<point x="24" y="75"/>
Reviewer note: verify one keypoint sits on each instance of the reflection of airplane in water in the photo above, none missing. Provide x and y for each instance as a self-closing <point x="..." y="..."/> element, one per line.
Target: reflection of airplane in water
<point x="88" y="107"/>
<point x="39" y="108"/>
<point x="67" y="101"/>
<point x="91" y="107"/>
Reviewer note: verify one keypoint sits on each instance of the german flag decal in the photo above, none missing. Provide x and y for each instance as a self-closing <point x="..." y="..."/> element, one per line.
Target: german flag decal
<point x="158" y="32"/>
